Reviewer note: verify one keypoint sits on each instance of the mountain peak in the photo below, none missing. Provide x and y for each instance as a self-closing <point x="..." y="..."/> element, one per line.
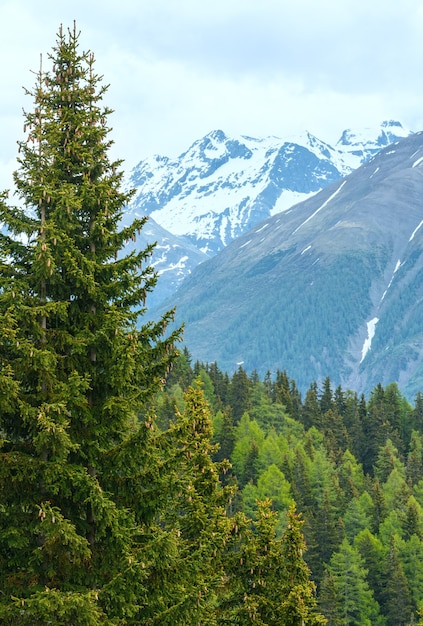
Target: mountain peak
<point x="379" y="137"/>
<point x="221" y="186"/>
<point x="332" y="287"/>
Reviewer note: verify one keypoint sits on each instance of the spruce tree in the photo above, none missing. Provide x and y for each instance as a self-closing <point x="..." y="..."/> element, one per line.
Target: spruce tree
<point x="77" y="468"/>
<point x="398" y="601"/>
<point x="345" y="584"/>
<point x="268" y="580"/>
<point x="193" y="527"/>
<point x="298" y="606"/>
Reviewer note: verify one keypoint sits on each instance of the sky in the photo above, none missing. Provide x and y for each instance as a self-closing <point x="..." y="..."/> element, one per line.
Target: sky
<point x="178" y="69"/>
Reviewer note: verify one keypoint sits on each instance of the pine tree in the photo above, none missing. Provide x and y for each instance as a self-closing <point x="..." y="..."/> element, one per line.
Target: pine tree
<point x="375" y="428"/>
<point x="239" y="394"/>
<point x="414" y="466"/>
<point x="326" y="400"/>
<point x="357" y="516"/>
<point x="387" y="460"/>
<point x="411" y="558"/>
<point x="329" y="600"/>
<point x="310" y="411"/>
<point x="299" y="601"/>
<point x="269" y="583"/>
<point x="398" y="601"/>
<point x="418" y="412"/>
<point x="373" y="554"/>
<point x="185" y="584"/>
<point x="353" y="416"/>
<point x="354" y="602"/>
<point x="77" y="468"/>
<point x="295" y="401"/>
<point x="282" y="391"/>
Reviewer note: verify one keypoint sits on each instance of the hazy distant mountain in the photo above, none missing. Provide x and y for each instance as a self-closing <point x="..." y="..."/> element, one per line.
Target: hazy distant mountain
<point x="331" y="287"/>
<point x="173" y="257"/>
<point x="223" y="186"/>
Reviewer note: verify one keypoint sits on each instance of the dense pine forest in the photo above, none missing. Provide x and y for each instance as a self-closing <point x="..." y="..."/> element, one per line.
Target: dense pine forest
<point x="137" y="488"/>
<point x="353" y="466"/>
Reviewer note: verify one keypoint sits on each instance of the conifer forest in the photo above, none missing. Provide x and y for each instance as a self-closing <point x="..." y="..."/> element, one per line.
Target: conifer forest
<point x="140" y="488"/>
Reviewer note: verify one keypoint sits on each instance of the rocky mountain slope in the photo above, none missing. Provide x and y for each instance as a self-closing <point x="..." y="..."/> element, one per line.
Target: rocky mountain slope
<point x="330" y="287"/>
<point x="223" y="186"/>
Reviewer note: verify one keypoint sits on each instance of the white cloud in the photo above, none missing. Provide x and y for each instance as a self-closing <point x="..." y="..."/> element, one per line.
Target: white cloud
<point x="179" y="69"/>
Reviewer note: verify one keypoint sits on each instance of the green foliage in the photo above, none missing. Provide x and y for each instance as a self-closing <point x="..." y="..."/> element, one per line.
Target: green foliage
<point x="357" y="516"/>
<point x="398" y="602"/>
<point x="248" y="438"/>
<point x="411" y="554"/>
<point x="64" y="607"/>
<point x="130" y="495"/>
<point x="270" y="581"/>
<point x="299" y="602"/>
<point x="76" y="367"/>
<point x="272" y="486"/>
<point x="346" y="594"/>
<point x="322" y="460"/>
<point x="192" y="530"/>
<point x="373" y="554"/>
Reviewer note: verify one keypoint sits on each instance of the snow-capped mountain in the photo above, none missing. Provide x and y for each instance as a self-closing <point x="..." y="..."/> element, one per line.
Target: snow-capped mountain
<point x="222" y="186"/>
<point x="331" y="287"/>
<point x="366" y="143"/>
<point x="173" y="258"/>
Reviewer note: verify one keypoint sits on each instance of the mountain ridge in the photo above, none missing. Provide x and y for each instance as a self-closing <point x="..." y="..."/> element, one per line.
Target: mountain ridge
<point x="305" y="289"/>
<point x="222" y="186"/>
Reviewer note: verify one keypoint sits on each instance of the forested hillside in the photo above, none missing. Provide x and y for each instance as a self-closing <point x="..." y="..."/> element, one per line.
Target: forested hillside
<point x="353" y="465"/>
<point x="139" y="489"/>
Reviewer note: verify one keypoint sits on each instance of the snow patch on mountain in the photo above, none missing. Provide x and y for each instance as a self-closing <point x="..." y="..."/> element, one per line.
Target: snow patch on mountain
<point x="415" y="231"/>
<point x="397" y="266"/>
<point x="371" y="329"/>
<point x="359" y="146"/>
<point x="222" y="186"/>
<point x="322" y="206"/>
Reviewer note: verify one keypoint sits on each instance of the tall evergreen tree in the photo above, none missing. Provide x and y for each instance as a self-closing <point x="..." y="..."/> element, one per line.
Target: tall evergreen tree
<point x="299" y="601"/>
<point x="282" y="391"/>
<point x="326" y="399"/>
<point x="352" y="414"/>
<point x="414" y="466"/>
<point x="239" y="394"/>
<point x="375" y="428"/>
<point x="310" y="411"/>
<point x="418" y="412"/>
<point x="354" y="601"/>
<point x="77" y="469"/>
<point x="373" y="554"/>
<point x="269" y="582"/>
<point x="411" y="557"/>
<point x="295" y="401"/>
<point x="184" y="585"/>
<point x="398" y="600"/>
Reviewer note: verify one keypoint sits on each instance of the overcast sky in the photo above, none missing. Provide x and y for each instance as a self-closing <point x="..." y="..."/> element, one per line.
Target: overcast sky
<point x="180" y="68"/>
